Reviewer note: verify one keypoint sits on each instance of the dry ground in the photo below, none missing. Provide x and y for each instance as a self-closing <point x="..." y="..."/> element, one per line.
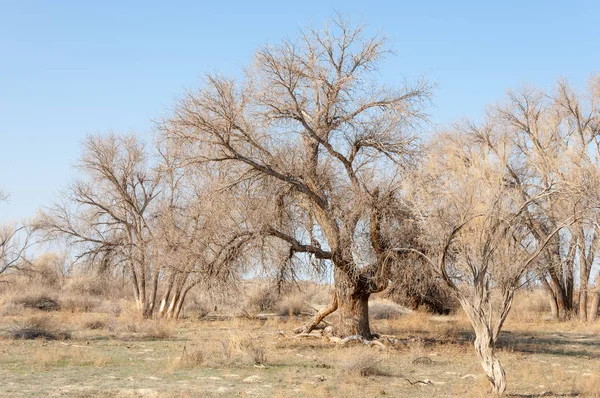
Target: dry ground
<point x="240" y="357"/>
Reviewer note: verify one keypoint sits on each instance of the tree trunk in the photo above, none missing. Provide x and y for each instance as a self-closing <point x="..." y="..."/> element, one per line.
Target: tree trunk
<point x="551" y="295"/>
<point x="485" y="345"/>
<point x="560" y="295"/>
<point x="353" y="307"/>
<point x="353" y="318"/>
<point x="594" y="306"/>
<point x="485" y="348"/>
<point x="165" y="299"/>
<point x="180" y="303"/>
<point x="583" y="296"/>
<point x="553" y="306"/>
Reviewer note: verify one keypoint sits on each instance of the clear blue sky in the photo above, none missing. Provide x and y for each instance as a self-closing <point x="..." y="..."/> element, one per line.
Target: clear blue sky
<point x="72" y="68"/>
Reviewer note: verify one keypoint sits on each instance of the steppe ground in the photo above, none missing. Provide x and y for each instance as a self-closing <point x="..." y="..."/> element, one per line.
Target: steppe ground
<point x="429" y="356"/>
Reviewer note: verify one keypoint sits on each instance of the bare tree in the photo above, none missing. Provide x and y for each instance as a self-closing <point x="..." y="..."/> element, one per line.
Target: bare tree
<point x="163" y="226"/>
<point x="556" y="135"/>
<point x="15" y="240"/>
<point x="310" y="127"/>
<point x="106" y="215"/>
<point x="473" y="220"/>
<point x="198" y="241"/>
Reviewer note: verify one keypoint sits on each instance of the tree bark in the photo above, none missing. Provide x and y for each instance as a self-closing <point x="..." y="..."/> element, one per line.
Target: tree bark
<point x="353" y="306"/>
<point x="353" y="316"/>
<point x="485" y="345"/>
<point x="485" y="348"/>
<point x="594" y="307"/>
<point x="552" y="297"/>
<point x="583" y="292"/>
<point x="560" y="296"/>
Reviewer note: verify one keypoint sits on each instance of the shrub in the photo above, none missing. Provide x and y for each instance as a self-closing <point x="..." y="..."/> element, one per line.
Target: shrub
<point x="385" y="310"/>
<point x="292" y="305"/>
<point x="38" y="301"/>
<point x="261" y="298"/>
<point x="191" y="358"/>
<point x="200" y="308"/>
<point x="256" y="351"/>
<point x="88" y="285"/>
<point x="82" y="303"/>
<point x="157" y="330"/>
<point x="363" y="362"/>
<point x="96" y="324"/>
<point x="39" y="327"/>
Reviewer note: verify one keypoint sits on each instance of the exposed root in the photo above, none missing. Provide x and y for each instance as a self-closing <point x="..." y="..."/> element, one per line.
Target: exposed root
<point x="362" y="340"/>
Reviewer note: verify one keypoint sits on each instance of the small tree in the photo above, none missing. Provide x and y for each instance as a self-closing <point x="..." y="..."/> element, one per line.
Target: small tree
<point x="107" y="214"/>
<point x="473" y="222"/>
<point x="14" y="242"/>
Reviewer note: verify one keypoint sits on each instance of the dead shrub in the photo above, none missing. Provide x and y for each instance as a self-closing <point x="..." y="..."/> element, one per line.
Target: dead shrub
<point x="81" y="303"/>
<point x="38" y="328"/>
<point x="256" y="350"/>
<point x="226" y="349"/>
<point x="38" y="301"/>
<point x="193" y="358"/>
<point x="88" y="285"/>
<point x="363" y="362"/>
<point x="292" y="305"/>
<point x="96" y="324"/>
<point x="200" y="308"/>
<point x="12" y="309"/>
<point x="114" y="308"/>
<point x="261" y="298"/>
<point x="157" y="330"/>
<point x="386" y="310"/>
<point x="530" y="305"/>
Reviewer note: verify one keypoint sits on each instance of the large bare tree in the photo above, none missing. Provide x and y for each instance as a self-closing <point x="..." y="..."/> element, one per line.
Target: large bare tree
<point x="310" y="126"/>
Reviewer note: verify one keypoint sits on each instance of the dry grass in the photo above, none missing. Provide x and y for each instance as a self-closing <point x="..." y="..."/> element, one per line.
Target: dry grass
<point x="435" y="352"/>
<point x="255" y="349"/>
<point x="363" y="362"/>
<point x="386" y="310"/>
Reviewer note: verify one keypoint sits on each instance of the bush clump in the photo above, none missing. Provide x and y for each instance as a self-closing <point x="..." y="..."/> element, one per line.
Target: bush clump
<point x="38" y="301"/>
<point x="39" y="328"/>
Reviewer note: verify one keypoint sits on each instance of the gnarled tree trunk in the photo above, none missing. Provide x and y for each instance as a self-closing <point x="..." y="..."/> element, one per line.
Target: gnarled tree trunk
<point x="485" y="348"/>
<point x="353" y="307"/>
<point x="485" y="345"/>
